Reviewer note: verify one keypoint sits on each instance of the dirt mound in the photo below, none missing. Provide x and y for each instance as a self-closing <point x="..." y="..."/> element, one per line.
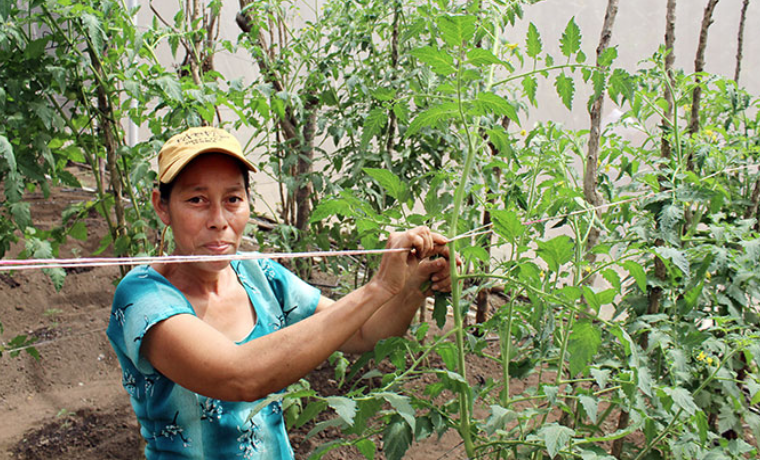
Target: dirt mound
<point x="83" y="435"/>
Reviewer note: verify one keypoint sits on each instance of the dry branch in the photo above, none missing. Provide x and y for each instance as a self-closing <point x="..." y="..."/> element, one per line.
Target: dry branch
<point x="592" y="158"/>
<point x="740" y="40"/>
<point x="699" y="66"/>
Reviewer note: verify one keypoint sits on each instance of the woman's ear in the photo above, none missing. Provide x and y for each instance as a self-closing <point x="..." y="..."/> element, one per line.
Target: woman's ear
<point x="161" y="207"/>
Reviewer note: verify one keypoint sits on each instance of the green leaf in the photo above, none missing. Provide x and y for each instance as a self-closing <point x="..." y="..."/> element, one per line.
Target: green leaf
<point x="608" y="56"/>
<point x="481" y="57"/>
<point x="35" y="48"/>
<point x="475" y="253"/>
<point x="613" y="278"/>
<point x="397" y="438"/>
<point x="79" y="231"/>
<point x="57" y="276"/>
<point x="571" y="293"/>
<point x="677" y="257"/>
<point x="171" y="87"/>
<point x="439" y="61"/>
<point x="596" y="300"/>
<point x="402" y="406"/>
<point x="94" y="31"/>
<point x="570" y="42"/>
<point x="493" y="103"/>
<point x="448" y="354"/>
<point x="591" y="406"/>
<point x="551" y="393"/>
<point x="565" y="89"/>
<point x="683" y="399"/>
<point x="6" y="150"/>
<point x="692" y="295"/>
<point x="556" y="252"/>
<point x="501" y="140"/>
<point x="345" y="407"/>
<point x="499" y="418"/>
<point x="401" y="109"/>
<point x="601" y="376"/>
<point x="507" y="224"/>
<point x="373" y="125"/>
<point x="367" y="448"/>
<point x="530" y="86"/>
<point x="583" y="345"/>
<point x="440" y="309"/>
<point x="388" y="181"/>
<point x="555" y="437"/>
<point x="313" y="409"/>
<point x="384" y="94"/>
<point x="703" y="426"/>
<point x="533" y="42"/>
<point x="22" y="216"/>
<point x="621" y="83"/>
<point x="432" y="117"/>
<point x="637" y="273"/>
<point x="328" y="208"/>
<point x="457" y="30"/>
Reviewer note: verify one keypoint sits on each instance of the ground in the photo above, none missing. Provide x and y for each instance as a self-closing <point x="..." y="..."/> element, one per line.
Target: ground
<point x="70" y="404"/>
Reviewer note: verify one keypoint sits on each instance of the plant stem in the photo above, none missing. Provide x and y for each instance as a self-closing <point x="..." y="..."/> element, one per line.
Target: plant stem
<point x="505" y="337"/>
<point x="456" y="284"/>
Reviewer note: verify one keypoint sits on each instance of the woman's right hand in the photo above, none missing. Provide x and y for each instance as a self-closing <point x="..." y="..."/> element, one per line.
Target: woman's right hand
<point x="396" y="268"/>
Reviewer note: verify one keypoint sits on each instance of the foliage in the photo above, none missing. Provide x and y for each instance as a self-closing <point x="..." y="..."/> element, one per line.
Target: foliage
<point x="425" y="104"/>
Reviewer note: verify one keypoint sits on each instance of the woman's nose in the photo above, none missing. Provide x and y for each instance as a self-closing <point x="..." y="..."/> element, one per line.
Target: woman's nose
<point x="216" y="218"/>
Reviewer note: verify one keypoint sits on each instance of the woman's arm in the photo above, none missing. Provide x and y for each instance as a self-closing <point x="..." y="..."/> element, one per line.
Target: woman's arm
<point x="200" y="358"/>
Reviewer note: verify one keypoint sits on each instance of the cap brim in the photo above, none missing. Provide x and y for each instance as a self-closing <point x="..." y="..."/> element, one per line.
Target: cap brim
<point x="174" y="169"/>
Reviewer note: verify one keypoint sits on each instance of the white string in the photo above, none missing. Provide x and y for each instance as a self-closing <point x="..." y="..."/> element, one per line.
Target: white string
<point x="36" y="264"/>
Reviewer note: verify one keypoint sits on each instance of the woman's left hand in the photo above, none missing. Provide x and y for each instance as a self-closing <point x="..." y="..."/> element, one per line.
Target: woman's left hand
<point x="432" y="273"/>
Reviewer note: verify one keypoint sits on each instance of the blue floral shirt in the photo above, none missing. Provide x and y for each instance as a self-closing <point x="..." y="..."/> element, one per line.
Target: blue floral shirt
<point x="178" y="423"/>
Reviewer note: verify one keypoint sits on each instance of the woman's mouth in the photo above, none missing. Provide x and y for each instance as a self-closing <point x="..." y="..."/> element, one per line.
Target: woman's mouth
<point x="217" y="247"/>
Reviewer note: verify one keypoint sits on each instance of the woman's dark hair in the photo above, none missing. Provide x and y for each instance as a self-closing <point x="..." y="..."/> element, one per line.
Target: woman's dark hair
<point x="165" y="190"/>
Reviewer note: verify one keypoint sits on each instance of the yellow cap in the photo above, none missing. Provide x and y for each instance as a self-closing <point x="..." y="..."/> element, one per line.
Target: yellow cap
<point x="182" y="148"/>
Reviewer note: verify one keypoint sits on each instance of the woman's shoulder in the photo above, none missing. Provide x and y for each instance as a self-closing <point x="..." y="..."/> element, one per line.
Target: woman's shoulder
<point x="144" y="279"/>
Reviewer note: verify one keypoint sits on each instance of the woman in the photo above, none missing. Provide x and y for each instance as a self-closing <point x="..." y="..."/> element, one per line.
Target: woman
<point x="199" y="343"/>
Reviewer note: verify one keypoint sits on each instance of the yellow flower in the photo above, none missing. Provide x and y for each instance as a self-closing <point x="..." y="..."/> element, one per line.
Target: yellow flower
<point x="701" y="356"/>
<point x="523" y="132"/>
<point x="588" y="269"/>
<point x="711" y="136"/>
<point x="708" y="275"/>
<point x="607" y="168"/>
<point x="709" y="361"/>
<point x="512" y="46"/>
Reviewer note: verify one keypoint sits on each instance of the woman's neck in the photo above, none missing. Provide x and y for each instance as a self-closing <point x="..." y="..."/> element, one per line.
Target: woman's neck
<point x="196" y="279"/>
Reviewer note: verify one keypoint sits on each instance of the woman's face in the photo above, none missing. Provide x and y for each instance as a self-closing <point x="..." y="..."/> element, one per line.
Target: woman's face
<point x="208" y="208"/>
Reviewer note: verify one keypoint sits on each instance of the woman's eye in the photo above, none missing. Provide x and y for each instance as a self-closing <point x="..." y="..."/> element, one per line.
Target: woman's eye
<point x="236" y="200"/>
<point x="194" y="200"/>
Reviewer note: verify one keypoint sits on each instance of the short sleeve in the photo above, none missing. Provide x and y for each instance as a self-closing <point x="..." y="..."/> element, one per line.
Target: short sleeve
<point x="142" y="299"/>
<point x="297" y="298"/>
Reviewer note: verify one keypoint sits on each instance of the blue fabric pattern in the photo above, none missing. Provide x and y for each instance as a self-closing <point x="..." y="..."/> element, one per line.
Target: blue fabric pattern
<point x="178" y="423"/>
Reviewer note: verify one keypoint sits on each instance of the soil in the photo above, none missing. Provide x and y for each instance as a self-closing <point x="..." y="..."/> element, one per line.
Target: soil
<point x="70" y="403"/>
